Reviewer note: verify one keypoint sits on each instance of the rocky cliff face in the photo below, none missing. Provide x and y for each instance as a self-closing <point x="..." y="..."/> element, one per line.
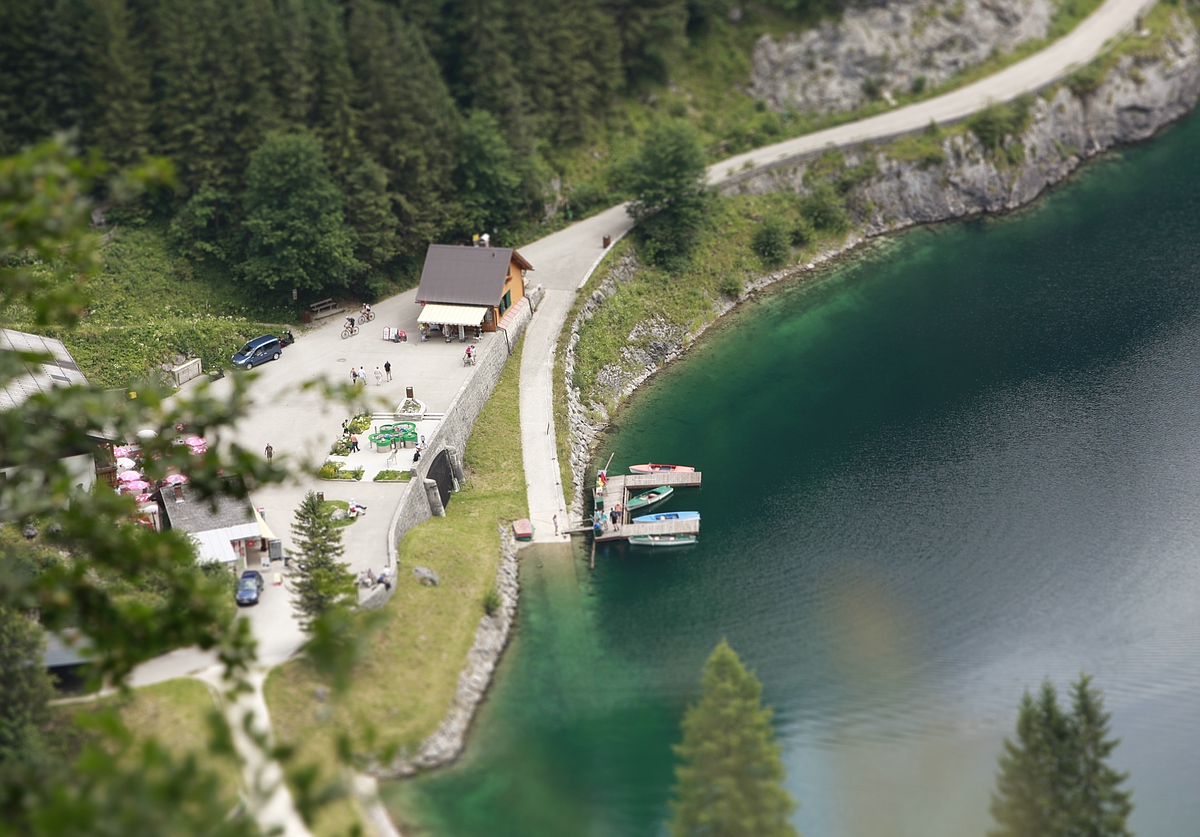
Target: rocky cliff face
<point x="1140" y="94"/>
<point x="873" y="50"/>
<point x="1135" y="99"/>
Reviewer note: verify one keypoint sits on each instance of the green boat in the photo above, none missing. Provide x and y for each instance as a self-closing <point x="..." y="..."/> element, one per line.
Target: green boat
<point x="662" y="540"/>
<point x="649" y="498"/>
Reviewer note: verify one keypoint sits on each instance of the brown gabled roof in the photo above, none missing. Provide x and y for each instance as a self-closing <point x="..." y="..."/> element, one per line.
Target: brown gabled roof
<point x="466" y="275"/>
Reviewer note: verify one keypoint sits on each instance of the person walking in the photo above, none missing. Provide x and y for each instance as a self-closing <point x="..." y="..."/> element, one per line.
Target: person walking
<point x="353" y="376"/>
<point x="378" y="377"/>
<point x="354" y="443"/>
<point x="387" y="367"/>
<point x="362" y="375"/>
<point x="556" y="525"/>
<point x="270" y="451"/>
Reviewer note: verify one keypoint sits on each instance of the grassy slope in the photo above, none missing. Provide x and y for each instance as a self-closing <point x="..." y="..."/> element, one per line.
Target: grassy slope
<point x="149" y="304"/>
<point x="407" y="678"/>
<point x="176" y="713"/>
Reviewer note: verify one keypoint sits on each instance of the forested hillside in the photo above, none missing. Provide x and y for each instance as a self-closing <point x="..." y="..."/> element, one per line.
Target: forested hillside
<point x="367" y="128"/>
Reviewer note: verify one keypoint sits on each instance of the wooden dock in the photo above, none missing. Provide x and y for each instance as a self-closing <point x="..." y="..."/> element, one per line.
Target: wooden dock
<point x="617" y="490"/>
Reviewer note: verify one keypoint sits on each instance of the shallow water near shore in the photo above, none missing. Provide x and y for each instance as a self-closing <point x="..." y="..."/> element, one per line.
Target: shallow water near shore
<point x="962" y="463"/>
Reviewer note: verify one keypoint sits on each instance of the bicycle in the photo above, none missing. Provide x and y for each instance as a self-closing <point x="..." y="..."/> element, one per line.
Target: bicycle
<point x="349" y="331"/>
<point x="366" y="317"/>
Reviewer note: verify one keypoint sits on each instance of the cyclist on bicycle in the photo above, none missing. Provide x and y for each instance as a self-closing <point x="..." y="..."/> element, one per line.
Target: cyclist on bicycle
<point x="366" y="310"/>
<point x="350" y="324"/>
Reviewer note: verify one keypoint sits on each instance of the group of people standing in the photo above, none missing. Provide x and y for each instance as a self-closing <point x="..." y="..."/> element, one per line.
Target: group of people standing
<point x="359" y="375"/>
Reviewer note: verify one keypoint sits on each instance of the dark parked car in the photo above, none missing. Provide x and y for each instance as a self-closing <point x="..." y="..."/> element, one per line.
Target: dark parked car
<point x="259" y="350"/>
<point x="249" y="587"/>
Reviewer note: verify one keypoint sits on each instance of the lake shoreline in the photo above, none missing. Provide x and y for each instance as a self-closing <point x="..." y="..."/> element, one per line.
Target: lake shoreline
<point x="1141" y="91"/>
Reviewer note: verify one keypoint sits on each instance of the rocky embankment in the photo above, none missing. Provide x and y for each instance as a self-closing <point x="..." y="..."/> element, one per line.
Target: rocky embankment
<point x="875" y="50"/>
<point x="1145" y="89"/>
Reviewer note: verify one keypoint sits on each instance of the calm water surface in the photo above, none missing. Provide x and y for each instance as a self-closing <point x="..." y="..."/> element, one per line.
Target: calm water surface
<point x="967" y="461"/>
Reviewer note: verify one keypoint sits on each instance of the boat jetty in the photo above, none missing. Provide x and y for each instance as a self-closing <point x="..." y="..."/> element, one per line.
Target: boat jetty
<point x="619" y="489"/>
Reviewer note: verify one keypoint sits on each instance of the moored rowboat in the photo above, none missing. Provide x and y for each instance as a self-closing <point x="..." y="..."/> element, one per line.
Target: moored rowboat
<point x="662" y="540"/>
<point x="655" y="518"/>
<point x="523" y="529"/>
<point x="649" y="498"/>
<point x="658" y="468"/>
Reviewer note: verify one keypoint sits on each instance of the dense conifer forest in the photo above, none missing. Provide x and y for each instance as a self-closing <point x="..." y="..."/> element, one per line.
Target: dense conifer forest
<point x="403" y="122"/>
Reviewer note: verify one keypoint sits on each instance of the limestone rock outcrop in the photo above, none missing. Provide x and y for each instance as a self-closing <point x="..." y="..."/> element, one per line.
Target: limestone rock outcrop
<point x="875" y="49"/>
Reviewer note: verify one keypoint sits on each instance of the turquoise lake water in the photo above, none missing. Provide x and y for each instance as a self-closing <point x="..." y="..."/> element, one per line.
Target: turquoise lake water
<point x="964" y="461"/>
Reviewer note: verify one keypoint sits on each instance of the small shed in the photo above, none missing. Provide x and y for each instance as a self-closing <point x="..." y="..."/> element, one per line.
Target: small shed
<point x="228" y="532"/>
<point x="470" y="286"/>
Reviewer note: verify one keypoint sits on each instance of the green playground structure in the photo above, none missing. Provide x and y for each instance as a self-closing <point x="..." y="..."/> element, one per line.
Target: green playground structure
<point x="389" y="434"/>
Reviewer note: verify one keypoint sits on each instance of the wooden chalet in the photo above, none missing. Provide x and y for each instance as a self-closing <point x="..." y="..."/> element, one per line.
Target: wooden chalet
<point x="470" y="286"/>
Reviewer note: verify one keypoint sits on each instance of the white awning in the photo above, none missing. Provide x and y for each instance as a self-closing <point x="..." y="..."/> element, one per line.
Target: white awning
<point x="464" y="315"/>
<point x="217" y="544"/>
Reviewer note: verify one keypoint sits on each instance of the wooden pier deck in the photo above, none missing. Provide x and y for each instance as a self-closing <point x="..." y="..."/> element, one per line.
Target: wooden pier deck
<point x="619" y="487"/>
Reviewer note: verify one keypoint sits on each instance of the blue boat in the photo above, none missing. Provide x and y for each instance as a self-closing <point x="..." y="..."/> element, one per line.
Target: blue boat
<point x="655" y="518"/>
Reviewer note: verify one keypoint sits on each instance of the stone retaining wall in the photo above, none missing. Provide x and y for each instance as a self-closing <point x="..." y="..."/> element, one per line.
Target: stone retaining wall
<point x="444" y="745"/>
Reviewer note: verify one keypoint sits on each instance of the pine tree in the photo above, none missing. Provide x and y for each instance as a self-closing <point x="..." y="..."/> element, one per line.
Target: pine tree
<point x="322" y="583"/>
<point x="294" y="223"/>
<point x="119" y="76"/>
<point x="1054" y="780"/>
<point x="489" y="175"/>
<point x="1100" y="807"/>
<point x="730" y="781"/>
<point x="409" y="122"/>
<point x="666" y="179"/>
<point x="369" y="213"/>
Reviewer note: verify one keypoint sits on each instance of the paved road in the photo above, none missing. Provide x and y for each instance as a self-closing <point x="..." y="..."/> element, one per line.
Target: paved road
<point x="565" y="259"/>
<point x="1035" y="72"/>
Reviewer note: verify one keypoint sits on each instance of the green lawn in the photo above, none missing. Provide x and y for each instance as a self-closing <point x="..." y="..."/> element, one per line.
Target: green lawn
<point x="407" y="677"/>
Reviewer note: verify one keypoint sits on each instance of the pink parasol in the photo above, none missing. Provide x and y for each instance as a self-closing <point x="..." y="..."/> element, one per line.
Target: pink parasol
<point x="120" y="451"/>
<point x="144" y="498"/>
<point x="176" y="479"/>
<point x="126" y="464"/>
<point x="137" y="485"/>
<point x="129" y="476"/>
<point x="195" y="441"/>
<point x="199" y="449"/>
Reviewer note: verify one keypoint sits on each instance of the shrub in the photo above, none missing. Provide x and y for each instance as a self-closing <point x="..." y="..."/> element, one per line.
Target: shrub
<point x="351" y="474"/>
<point x="732" y="285"/>
<point x="1084" y="82"/>
<point x="393" y="476"/>
<point x="491" y="602"/>
<point x="771" y="241"/>
<point x="802" y="232"/>
<point x="918" y="85"/>
<point x="825" y="210"/>
<point x="341" y="447"/>
<point x="864" y="171"/>
<point x="330" y="471"/>
<point x="872" y="87"/>
<point x="995" y="122"/>
<point x="360" y="423"/>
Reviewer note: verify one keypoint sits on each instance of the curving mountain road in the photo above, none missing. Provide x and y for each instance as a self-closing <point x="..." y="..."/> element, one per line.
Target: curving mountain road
<point x="564" y="260"/>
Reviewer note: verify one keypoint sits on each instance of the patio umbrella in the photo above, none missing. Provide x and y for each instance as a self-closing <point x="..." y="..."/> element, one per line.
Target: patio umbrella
<point x="199" y="449"/>
<point x="176" y="479"/>
<point x="129" y="476"/>
<point x="195" y="441"/>
<point x="137" y="485"/>
<point x="144" y="498"/>
<point x="126" y="464"/>
<point x="120" y="451"/>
